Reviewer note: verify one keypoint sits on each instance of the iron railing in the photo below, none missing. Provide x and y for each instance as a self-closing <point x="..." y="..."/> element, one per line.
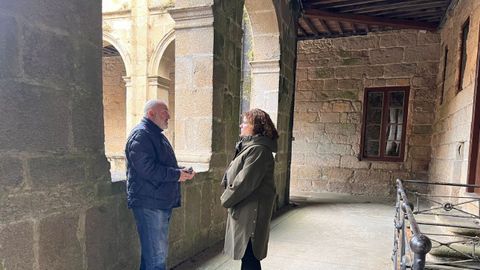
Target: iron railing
<point x="434" y="231"/>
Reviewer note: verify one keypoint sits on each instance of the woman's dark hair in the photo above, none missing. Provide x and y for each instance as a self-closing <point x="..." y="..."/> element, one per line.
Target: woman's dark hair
<point x="262" y="124"/>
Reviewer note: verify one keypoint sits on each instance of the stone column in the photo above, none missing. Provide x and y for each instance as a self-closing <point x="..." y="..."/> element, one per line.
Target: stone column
<point x="193" y="85"/>
<point x="265" y="80"/>
<point x="138" y="95"/>
<point x="131" y="114"/>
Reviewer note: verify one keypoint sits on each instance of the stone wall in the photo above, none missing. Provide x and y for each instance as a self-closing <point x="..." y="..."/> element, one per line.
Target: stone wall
<point x="58" y="208"/>
<point x="453" y="118"/>
<point x="114" y="105"/>
<point x="331" y="77"/>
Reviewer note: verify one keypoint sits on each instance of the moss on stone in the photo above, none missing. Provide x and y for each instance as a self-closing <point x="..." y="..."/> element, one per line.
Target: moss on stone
<point x="324" y="72"/>
<point x="250" y="54"/>
<point x="348" y="95"/>
<point x="343" y="53"/>
<point x="350" y="61"/>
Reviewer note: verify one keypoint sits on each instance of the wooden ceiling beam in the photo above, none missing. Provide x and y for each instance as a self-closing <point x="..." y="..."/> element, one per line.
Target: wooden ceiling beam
<point x="321" y="2"/>
<point x="381" y="8"/>
<point x="301" y="30"/>
<point x="312" y="27"/>
<point x="325" y="25"/>
<point x="435" y="11"/>
<point x="354" y="28"/>
<point x="340" y="28"/>
<point x="345" y="4"/>
<point x="325" y="15"/>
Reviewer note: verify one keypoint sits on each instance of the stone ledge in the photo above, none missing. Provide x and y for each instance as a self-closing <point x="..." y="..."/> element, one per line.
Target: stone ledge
<point x="199" y="161"/>
<point x="192" y="17"/>
<point x="265" y="66"/>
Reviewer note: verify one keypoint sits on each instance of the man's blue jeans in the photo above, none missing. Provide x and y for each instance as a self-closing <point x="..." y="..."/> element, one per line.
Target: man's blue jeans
<point x="152" y="226"/>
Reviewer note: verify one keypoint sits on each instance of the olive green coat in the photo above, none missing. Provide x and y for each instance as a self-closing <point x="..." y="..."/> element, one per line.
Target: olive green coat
<point x="249" y="197"/>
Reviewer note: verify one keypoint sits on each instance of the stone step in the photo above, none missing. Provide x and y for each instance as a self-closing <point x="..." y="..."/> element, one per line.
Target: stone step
<point x="465" y="226"/>
<point x="455" y="250"/>
<point x="447" y="243"/>
<point x="451" y="265"/>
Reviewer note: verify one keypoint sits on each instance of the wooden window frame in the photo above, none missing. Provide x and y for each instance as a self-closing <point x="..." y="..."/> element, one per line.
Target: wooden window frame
<point x="384" y="124"/>
<point x="462" y="62"/>
<point x="445" y="63"/>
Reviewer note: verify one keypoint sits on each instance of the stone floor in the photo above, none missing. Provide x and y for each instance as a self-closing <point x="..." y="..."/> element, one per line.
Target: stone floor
<point x="321" y="235"/>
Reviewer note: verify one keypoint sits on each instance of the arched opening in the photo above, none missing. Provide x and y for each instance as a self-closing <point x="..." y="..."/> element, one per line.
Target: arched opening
<point x="261" y="43"/>
<point x="114" y="109"/>
<point x="162" y="78"/>
<point x="247" y="57"/>
<point x="261" y="64"/>
<point x="166" y="88"/>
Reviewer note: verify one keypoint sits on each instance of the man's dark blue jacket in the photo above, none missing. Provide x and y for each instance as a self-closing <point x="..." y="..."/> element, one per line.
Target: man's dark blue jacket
<point x="152" y="169"/>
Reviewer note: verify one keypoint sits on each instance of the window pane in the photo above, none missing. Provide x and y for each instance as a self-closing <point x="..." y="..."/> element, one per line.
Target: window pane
<point x="396" y="99"/>
<point x="394" y="132"/>
<point x="396" y="116"/>
<point x="375" y="100"/>
<point x="374" y="116"/>
<point x="399" y="133"/>
<point x="372" y="148"/>
<point x="373" y="124"/>
<point x="373" y="132"/>
<point x="393" y="149"/>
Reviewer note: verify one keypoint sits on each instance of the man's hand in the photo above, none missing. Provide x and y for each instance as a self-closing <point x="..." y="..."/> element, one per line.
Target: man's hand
<point x="186" y="174"/>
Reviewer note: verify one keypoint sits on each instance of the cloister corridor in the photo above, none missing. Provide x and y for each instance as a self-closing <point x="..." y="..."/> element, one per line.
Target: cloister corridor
<point x="330" y="232"/>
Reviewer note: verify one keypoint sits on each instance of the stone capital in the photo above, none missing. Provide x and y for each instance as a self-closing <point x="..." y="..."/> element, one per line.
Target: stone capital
<point x="192" y="17"/>
<point x="117" y="14"/>
<point x="127" y="80"/>
<point x="159" y="81"/>
<point x="265" y="66"/>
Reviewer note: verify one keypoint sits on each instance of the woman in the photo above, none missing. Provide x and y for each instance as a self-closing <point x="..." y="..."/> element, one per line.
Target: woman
<point x="250" y="190"/>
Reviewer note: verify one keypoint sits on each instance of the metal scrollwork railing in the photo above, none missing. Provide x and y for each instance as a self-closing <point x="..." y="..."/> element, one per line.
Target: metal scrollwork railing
<point x="436" y="231"/>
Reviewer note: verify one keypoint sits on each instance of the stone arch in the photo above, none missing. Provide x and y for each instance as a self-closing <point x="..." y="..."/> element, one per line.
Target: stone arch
<point x="265" y="66"/>
<point x="114" y="93"/>
<point x="109" y="38"/>
<point x="161" y="71"/>
<point x="159" y="51"/>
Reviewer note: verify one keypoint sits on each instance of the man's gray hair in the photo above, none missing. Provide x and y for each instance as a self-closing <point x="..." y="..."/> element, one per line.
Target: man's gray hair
<point x="151" y="104"/>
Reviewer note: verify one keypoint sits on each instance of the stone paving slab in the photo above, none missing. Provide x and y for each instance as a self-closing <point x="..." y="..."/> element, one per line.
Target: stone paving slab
<point x="319" y="236"/>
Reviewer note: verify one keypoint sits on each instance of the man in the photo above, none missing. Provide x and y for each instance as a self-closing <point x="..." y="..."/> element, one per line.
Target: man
<point x="153" y="183"/>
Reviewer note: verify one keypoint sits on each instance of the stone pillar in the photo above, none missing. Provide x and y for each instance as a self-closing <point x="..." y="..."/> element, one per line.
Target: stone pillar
<point x="130" y="108"/>
<point x="57" y="205"/>
<point x="265" y="80"/>
<point x="194" y="85"/>
<point x="138" y="95"/>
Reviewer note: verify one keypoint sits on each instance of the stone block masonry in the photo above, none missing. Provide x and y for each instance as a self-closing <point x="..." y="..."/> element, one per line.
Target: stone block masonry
<point x="58" y="208"/>
<point x="53" y="170"/>
<point x="452" y="128"/>
<point x="332" y="75"/>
